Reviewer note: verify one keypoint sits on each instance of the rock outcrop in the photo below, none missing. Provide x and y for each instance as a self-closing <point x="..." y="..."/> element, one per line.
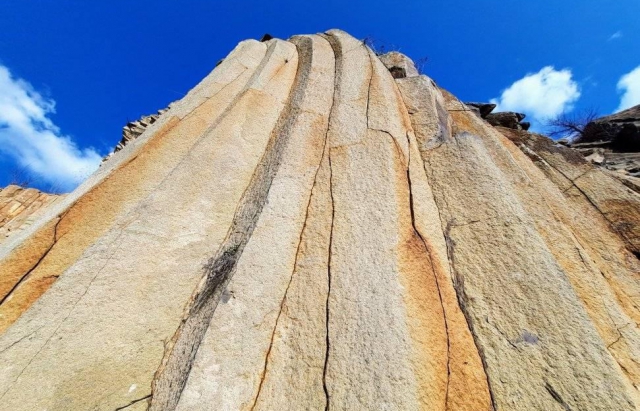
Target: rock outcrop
<point x="19" y="207"/>
<point x="621" y="130"/>
<point x="613" y="142"/>
<point x="508" y="119"/>
<point x="482" y="109"/>
<point x="305" y="231"/>
<point x="134" y="129"/>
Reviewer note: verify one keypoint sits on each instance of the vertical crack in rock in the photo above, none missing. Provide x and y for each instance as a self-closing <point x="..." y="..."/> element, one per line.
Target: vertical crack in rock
<point x="181" y="350"/>
<point x="433" y="270"/>
<point x="326" y="357"/>
<point x="370" y="81"/>
<point x="338" y="55"/>
<point x="429" y="173"/>
<point x="304" y="45"/>
<point x="458" y="285"/>
<point x="458" y="280"/>
<point x="73" y="307"/>
<point x="630" y="247"/>
<point x="26" y="275"/>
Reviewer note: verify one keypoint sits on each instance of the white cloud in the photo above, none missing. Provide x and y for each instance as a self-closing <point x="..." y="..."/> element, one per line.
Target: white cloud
<point x="629" y="86"/>
<point x="34" y="142"/>
<point x="616" y="35"/>
<point x="540" y="95"/>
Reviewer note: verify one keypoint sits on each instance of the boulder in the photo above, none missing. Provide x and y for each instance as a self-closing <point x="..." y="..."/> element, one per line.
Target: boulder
<point x="399" y="65"/>
<point x="506" y="119"/>
<point x="484" y="109"/>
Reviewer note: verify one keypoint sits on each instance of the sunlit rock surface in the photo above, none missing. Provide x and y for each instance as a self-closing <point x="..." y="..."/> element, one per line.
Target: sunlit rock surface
<point x="305" y="230"/>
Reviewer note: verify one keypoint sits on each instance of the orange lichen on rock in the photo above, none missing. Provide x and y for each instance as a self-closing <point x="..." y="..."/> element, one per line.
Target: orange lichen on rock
<point x="311" y="229"/>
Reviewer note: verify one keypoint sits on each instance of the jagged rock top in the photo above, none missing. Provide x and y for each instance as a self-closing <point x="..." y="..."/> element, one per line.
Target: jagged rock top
<point x="305" y="231"/>
<point x="134" y="129"/>
<point x="613" y="142"/>
<point x="631" y="114"/>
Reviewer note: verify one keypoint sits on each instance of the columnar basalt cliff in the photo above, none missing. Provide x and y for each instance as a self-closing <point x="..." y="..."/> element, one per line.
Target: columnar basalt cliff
<point x="310" y="228"/>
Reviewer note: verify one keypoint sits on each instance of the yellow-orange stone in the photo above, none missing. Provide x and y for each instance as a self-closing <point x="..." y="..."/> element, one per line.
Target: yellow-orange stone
<point x="304" y="231"/>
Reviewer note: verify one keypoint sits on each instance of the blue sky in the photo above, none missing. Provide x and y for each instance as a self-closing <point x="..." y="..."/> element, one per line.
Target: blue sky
<point x="72" y="73"/>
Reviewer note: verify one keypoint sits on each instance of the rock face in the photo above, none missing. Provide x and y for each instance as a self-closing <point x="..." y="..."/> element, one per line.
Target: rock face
<point x="304" y="231"/>
<point x="613" y="142"/>
<point x="620" y="130"/>
<point x="19" y="207"/>
<point x="134" y="130"/>
<point x="399" y="65"/>
<point x="508" y="119"/>
<point x="483" y="109"/>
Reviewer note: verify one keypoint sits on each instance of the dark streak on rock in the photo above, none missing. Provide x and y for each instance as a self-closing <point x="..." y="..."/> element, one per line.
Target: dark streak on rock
<point x="37" y="264"/>
<point x="304" y="45"/>
<point x="326" y="357"/>
<point x="458" y="285"/>
<point x="171" y="377"/>
<point x="556" y="396"/>
<point x="433" y="270"/>
<point x="133" y="403"/>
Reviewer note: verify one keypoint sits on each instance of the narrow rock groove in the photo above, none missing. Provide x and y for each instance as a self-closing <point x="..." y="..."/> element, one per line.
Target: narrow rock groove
<point x="433" y="269"/>
<point x="338" y="54"/>
<point x="326" y="356"/>
<point x="301" y="51"/>
<point x="173" y="372"/>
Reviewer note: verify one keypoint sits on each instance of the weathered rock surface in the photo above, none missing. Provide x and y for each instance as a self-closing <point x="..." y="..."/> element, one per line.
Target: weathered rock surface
<point x="399" y="65"/>
<point x="19" y="207"/>
<point x="621" y="130"/>
<point x="507" y="119"/>
<point x="483" y="109"/>
<point x="613" y="142"/>
<point x="134" y="130"/>
<point x="305" y="231"/>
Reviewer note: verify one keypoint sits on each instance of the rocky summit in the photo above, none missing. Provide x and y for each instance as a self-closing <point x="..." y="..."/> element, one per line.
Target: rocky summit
<point x="613" y="142"/>
<point x="316" y="227"/>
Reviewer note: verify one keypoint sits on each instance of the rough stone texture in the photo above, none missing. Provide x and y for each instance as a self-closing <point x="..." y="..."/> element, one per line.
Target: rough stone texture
<point x="618" y="204"/>
<point x="134" y="130"/>
<point x="483" y="109"/>
<point x="399" y="63"/>
<point x="19" y="207"/>
<point x="305" y="231"/>
<point x="613" y="142"/>
<point x="507" y="119"/>
<point x="621" y="130"/>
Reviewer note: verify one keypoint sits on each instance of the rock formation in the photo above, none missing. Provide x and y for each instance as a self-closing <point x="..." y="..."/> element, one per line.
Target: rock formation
<point x="507" y="119"/>
<point x="19" y="207"/>
<point x="305" y="231"/>
<point x="134" y="129"/>
<point x="621" y="130"/>
<point x="613" y="142"/>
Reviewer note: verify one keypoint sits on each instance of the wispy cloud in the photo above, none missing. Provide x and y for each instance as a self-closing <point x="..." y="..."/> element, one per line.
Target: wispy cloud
<point x="616" y="35"/>
<point x="30" y="138"/>
<point x="541" y="95"/>
<point x="629" y="87"/>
